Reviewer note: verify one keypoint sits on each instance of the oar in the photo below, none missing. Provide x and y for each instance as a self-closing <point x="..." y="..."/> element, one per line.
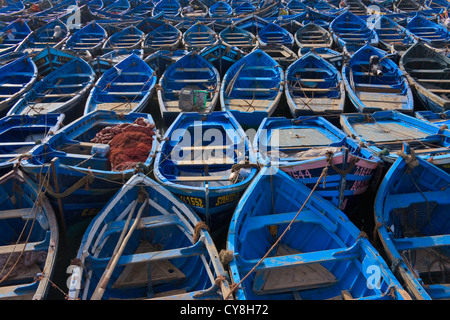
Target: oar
<point x="101" y="286"/>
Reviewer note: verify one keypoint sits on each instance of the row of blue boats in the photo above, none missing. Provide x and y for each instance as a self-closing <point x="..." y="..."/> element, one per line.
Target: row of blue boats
<point x="77" y="79"/>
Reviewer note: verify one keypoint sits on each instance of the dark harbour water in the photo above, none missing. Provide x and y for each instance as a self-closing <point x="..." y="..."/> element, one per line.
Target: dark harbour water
<point x="362" y="216"/>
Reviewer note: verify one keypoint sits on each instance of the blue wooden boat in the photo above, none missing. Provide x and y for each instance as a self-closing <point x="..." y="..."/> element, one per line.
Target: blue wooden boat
<point x="125" y="88"/>
<point x="238" y="37"/>
<point x="90" y="37"/>
<point x="13" y="34"/>
<point x="429" y="32"/>
<point x="178" y="258"/>
<point x="149" y="24"/>
<point x="222" y="56"/>
<point x="116" y="9"/>
<point x="189" y="84"/>
<point x="437" y="119"/>
<point x="357" y="7"/>
<point x="429" y="73"/>
<point x="209" y="177"/>
<point x="165" y="37"/>
<point x="11" y="9"/>
<point x="314" y="86"/>
<point x="60" y="10"/>
<point x="252" y="88"/>
<point x="384" y="132"/>
<point x="196" y="9"/>
<point x="19" y="134"/>
<point x="393" y="35"/>
<point x="252" y="23"/>
<point x="162" y="59"/>
<point x="94" y="5"/>
<point x="106" y="61"/>
<point x="59" y="92"/>
<point x="412" y="210"/>
<point x="16" y="78"/>
<point x="83" y="174"/>
<point x="273" y="34"/>
<point x="50" y="59"/>
<point x="318" y="254"/>
<point x="169" y="8"/>
<point x="220" y="9"/>
<point x="407" y="6"/>
<point x="30" y="239"/>
<point x="330" y="55"/>
<point x="283" y="55"/>
<point x="53" y="34"/>
<point x="312" y="36"/>
<point x="351" y="32"/>
<point x="302" y="147"/>
<point x="374" y="82"/>
<point x="142" y="9"/>
<point x="128" y="38"/>
<point x="244" y="8"/>
<point x="199" y="36"/>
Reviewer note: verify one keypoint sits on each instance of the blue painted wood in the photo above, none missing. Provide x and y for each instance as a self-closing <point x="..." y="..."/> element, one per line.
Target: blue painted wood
<point x="383" y="132"/>
<point x="273" y="34"/>
<point x="22" y="202"/>
<point x="19" y="134"/>
<point x="428" y="71"/>
<point x="167" y="230"/>
<point x="376" y="86"/>
<point x="16" y="78"/>
<point x="13" y="34"/>
<point x="190" y="72"/>
<point x="72" y="148"/>
<point x="429" y="32"/>
<point x="90" y="37"/>
<point x="127" y="87"/>
<point x="169" y="8"/>
<point x="314" y="86"/>
<point x="437" y="119"/>
<point x="106" y="61"/>
<point x="351" y="32"/>
<point x="238" y="37"/>
<point x="199" y="36"/>
<point x="128" y="38"/>
<point x="418" y="221"/>
<point x="207" y="182"/>
<point x="220" y="9"/>
<point x="304" y="146"/>
<point x="53" y="34"/>
<point x="395" y="36"/>
<point x="59" y="92"/>
<point x="320" y="237"/>
<point x="165" y="37"/>
<point x="252" y="87"/>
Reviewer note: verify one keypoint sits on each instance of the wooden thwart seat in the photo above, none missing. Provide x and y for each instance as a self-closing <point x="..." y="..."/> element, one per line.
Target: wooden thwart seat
<point x="295" y="278"/>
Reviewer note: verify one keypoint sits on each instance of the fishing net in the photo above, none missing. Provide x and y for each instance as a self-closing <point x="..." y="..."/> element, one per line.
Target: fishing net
<point x="130" y="143"/>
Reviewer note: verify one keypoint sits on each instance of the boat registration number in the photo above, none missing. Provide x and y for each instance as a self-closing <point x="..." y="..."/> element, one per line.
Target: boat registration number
<point x="193" y="201"/>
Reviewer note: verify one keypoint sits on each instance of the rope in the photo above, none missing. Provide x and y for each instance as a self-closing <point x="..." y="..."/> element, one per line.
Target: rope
<point x="352" y="161"/>
<point x="235" y="286"/>
<point x="84" y="181"/>
<point x="410" y="160"/>
<point x="199" y="226"/>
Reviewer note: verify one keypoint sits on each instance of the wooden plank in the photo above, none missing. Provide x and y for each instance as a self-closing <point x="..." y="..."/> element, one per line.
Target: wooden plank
<point x="204" y="162"/>
<point x="16" y="213"/>
<point x="296" y="278"/>
<point x="135" y="275"/>
<point x="200" y="178"/>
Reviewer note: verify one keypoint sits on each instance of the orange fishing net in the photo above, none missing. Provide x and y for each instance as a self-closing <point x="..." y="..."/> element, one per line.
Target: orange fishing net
<point x="129" y="143"/>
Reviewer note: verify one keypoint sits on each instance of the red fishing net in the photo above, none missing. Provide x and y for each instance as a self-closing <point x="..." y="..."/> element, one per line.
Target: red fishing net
<point x="129" y="143"/>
